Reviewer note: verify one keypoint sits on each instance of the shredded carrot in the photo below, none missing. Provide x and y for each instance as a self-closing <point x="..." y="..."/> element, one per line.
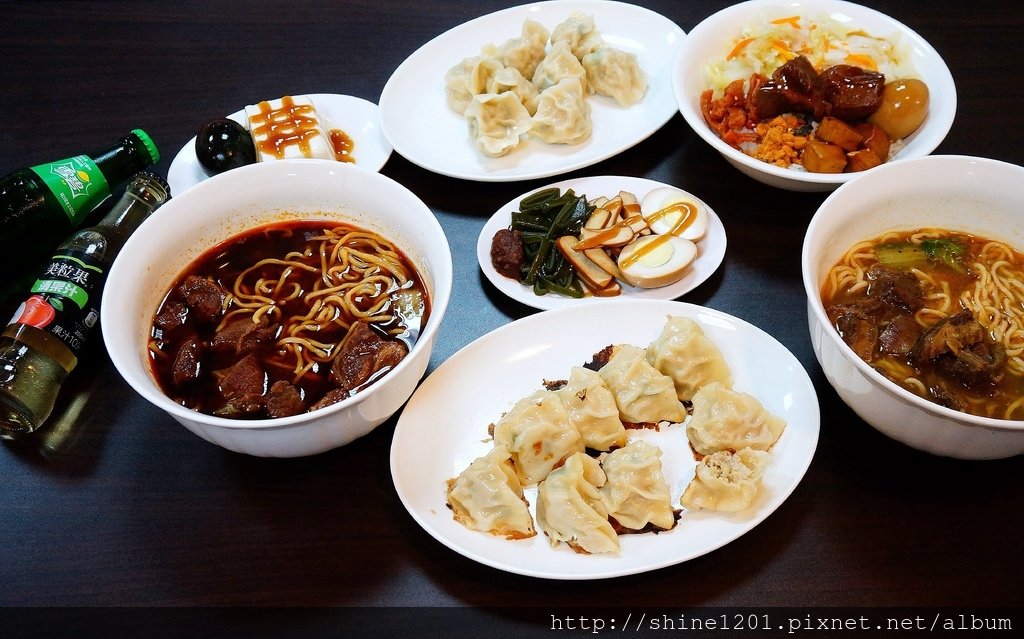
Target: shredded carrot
<point x="862" y="61"/>
<point x="738" y="49"/>
<point x="782" y="48"/>
<point x="793" y="21"/>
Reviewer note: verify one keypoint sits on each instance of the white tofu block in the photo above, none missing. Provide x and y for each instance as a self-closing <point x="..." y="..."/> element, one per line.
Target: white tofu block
<point x="288" y="128"/>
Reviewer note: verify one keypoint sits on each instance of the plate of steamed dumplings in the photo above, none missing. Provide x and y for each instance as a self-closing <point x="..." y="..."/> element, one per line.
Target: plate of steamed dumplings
<point x="603" y="440"/>
<point x="533" y="91"/>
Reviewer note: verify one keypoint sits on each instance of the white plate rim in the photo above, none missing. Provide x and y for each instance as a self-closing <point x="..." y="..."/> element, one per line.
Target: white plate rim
<point x="711" y="248"/>
<point x="426" y="156"/>
<point x="185" y="170"/>
<point x="798" y="442"/>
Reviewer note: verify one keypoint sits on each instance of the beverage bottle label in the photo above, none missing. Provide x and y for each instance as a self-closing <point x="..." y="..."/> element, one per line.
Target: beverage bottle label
<point x="66" y="298"/>
<point x="76" y="183"/>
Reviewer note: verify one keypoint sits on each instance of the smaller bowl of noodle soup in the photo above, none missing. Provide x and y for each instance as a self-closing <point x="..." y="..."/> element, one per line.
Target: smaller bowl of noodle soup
<point x="281" y="309"/>
<point x="914" y="275"/>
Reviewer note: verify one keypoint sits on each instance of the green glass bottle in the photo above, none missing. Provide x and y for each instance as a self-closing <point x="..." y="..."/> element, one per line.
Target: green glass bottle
<point x="50" y="200"/>
<point x="40" y="345"/>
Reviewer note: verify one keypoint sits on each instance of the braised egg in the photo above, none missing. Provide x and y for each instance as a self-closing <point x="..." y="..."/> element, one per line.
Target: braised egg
<point x="676" y="212"/>
<point x="651" y="261"/>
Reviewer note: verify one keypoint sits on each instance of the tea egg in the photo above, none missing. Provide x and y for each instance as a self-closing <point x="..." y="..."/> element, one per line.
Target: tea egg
<point x="664" y="197"/>
<point x="656" y="260"/>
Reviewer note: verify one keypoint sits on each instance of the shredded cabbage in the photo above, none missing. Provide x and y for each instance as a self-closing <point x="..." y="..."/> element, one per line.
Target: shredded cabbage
<point x="774" y="40"/>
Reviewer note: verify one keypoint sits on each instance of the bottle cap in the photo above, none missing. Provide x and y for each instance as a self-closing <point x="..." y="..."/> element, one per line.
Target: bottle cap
<point x="155" y="180"/>
<point x="147" y="141"/>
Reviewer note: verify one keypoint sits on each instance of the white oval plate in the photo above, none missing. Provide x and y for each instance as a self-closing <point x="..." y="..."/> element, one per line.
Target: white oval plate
<point x="417" y="120"/>
<point x="357" y="117"/>
<point x="444" y="428"/>
<point x="710" y="248"/>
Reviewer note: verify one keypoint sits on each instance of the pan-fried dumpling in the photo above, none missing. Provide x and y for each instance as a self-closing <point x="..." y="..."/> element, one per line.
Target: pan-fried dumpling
<point x="635" y="491"/>
<point x="557" y="64"/>
<point x="496" y="122"/>
<point x="487" y="496"/>
<point x="525" y="52"/>
<point x="469" y="78"/>
<point x="509" y="79"/>
<point x="641" y="393"/>
<point x="616" y="74"/>
<point x="563" y="116"/>
<point x="726" y="481"/>
<point x="570" y="509"/>
<point x="685" y="354"/>
<point x="538" y="433"/>
<point x="579" y="33"/>
<point x="725" y="419"/>
<point x="592" y="410"/>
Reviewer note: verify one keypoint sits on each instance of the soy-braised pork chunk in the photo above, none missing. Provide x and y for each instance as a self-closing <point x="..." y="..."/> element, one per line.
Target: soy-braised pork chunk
<point x="507" y="253"/>
<point x="284" y="400"/>
<point x="362" y="354"/>
<point x="794" y="87"/>
<point x="853" y="92"/>
<point x="244" y="336"/>
<point x="185" y="369"/>
<point x="203" y="298"/>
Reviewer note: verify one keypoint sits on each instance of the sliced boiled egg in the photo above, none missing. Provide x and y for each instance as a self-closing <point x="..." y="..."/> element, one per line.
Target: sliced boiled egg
<point x="656" y="260"/>
<point x="669" y="210"/>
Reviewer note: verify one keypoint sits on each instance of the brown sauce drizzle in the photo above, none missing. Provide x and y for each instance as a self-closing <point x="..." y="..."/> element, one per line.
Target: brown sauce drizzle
<point x="686" y="219"/>
<point x="294" y="125"/>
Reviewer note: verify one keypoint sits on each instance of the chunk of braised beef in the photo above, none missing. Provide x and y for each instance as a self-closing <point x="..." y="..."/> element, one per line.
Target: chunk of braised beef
<point x="244" y="378"/>
<point x="284" y="400"/>
<point x="795" y="86"/>
<point x="171" y="316"/>
<point x="244" y="336"/>
<point x="899" y="289"/>
<point x="203" y="297"/>
<point x="507" y="253"/>
<point x="949" y="335"/>
<point x="899" y="335"/>
<point x="859" y="332"/>
<point x="942" y="397"/>
<point x="187" y="362"/>
<point x="853" y="92"/>
<point x="363" y="354"/>
<point x="976" y="365"/>
<point x="332" y="396"/>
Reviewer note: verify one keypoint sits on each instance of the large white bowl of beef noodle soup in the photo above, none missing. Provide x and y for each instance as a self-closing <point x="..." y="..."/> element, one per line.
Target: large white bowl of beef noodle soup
<point x="281" y="309"/>
<point x="914" y="276"/>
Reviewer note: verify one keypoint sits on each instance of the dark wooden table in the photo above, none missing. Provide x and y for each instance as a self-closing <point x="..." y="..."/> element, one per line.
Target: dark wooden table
<point x="130" y="509"/>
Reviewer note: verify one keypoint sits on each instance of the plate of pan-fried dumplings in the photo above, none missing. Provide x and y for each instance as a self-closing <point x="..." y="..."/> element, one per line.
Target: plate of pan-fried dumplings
<point x="533" y="91"/>
<point x="597" y="441"/>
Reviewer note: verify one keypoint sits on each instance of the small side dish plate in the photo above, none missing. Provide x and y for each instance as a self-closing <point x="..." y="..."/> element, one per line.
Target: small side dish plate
<point x="417" y="120"/>
<point x="710" y="249"/>
<point x="357" y="117"/>
<point x="444" y="428"/>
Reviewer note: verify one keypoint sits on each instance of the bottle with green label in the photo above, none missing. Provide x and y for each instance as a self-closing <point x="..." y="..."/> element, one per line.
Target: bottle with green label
<point x="50" y="200"/>
<point x="41" y="343"/>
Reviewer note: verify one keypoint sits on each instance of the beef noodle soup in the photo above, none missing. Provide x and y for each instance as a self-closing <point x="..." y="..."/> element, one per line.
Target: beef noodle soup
<point x="939" y="313"/>
<point x="286" y="318"/>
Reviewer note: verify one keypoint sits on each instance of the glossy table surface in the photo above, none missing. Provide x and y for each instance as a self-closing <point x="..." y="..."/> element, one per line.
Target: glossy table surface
<point x="130" y="509"/>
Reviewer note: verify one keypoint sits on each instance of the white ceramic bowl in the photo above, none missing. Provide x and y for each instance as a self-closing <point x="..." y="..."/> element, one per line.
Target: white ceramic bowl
<point x="710" y="40"/>
<point x="221" y="207"/>
<point x="973" y="195"/>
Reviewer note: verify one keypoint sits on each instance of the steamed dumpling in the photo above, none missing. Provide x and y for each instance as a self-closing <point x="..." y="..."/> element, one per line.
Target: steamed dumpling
<point x="570" y="508"/>
<point x="685" y="354"/>
<point x="496" y="121"/>
<point x="641" y="393"/>
<point x="525" y="52"/>
<point x="468" y="78"/>
<point x="635" y="491"/>
<point x="509" y="79"/>
<point x="579" y="33"/>
<point x="725" y="419"/>
<point x="563" y="116"/>
<point x="592" y="410"/>
<point x="538" y="433"/>
<point x="557" y="64"/>
<point x="488" y="497"/>
<point x="726" y="481"/>
<point x="616" y="74"/>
